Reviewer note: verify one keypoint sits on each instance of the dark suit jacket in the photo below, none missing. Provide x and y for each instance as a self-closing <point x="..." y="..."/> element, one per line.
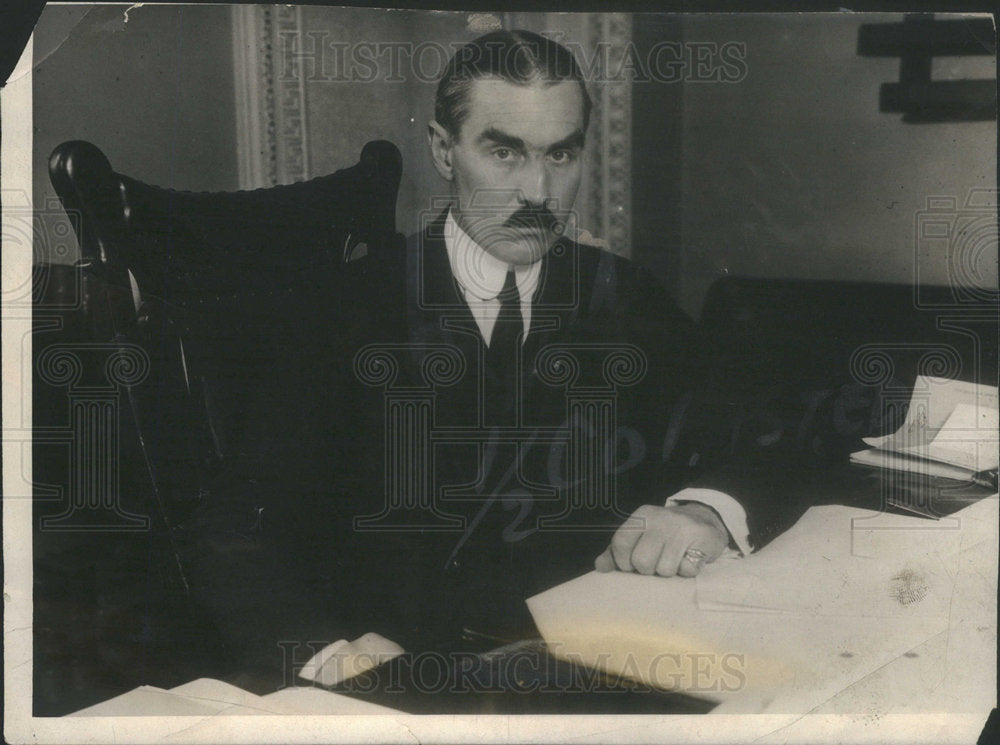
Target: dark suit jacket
<point x="459" y="519"/>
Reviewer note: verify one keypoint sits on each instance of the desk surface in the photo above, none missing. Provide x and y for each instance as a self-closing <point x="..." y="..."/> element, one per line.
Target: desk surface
<point x="863" y="668"/>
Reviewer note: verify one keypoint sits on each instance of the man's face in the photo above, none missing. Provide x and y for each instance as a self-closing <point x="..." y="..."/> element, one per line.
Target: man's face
<point x="515" y="166"/>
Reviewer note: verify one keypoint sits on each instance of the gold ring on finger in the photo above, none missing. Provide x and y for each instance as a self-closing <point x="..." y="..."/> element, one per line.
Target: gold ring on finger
<point x="695" y="555"/>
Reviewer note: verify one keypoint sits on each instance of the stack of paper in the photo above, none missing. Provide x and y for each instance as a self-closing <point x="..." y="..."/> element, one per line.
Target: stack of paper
<point x="951" y="431"/>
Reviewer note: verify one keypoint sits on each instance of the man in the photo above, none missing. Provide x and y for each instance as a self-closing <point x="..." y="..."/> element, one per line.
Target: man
<point x="487" y="406"/>
<point x="512" y="113"/>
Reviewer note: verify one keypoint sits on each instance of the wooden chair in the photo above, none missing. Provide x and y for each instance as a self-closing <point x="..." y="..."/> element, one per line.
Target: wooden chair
<point x="209" y="302"/>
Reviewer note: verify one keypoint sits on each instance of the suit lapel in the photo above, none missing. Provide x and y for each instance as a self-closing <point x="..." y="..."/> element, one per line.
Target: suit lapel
<point x="556" y="300"/>
<point x="437" y="312"/>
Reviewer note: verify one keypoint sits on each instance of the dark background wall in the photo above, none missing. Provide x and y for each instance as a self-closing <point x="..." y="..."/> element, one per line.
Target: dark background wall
<point x="794" y="172"/>
<point x="343" y="115"/>
<point x="657" y="155"/>
<point x="155" y="93"/>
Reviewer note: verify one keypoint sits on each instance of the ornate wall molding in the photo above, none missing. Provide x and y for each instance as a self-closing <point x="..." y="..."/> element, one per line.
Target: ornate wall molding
<point x="272" y="135"/>
<point x="608" y="192"/>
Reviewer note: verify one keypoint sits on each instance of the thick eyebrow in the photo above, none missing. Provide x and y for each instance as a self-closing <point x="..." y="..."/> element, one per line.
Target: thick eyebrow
<point x="499" y="137"/>
<point x="575" y="140"/>
<point x="503" y="139"/>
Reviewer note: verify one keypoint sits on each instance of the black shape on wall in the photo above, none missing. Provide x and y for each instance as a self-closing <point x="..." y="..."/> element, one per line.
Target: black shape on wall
<point x="916" y="41"/>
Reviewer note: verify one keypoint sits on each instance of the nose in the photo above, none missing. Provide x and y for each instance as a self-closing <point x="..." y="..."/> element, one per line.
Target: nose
<point x="533" y="191"/>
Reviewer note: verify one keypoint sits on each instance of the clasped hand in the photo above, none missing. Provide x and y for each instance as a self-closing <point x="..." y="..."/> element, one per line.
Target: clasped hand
<point x="674" y="540"/>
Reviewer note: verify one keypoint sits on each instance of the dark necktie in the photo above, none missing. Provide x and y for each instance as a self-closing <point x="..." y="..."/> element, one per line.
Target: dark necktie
<point x="503" y="354"/>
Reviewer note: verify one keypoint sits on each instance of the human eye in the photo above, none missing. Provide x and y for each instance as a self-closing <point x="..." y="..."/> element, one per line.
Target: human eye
<point x="561" y="156"/>
<point x="503" y="153"/>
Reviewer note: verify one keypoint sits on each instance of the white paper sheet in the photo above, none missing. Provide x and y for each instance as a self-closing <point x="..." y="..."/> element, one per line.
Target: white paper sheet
<point x="153" y="701"/>
<point x="922" y="468"/>
<point x="950" y="421"/>
<point x="752" y="660"/>
<point x="308" y="700"/>
<point x="651" y="629"/>
<point x="813" y="569"/>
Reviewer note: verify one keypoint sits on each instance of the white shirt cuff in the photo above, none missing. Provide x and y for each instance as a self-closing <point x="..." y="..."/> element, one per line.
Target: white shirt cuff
<point x="733" y="516"/>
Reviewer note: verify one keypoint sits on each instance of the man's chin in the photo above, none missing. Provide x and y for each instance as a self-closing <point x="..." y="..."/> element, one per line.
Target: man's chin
<point x="526" y="248"/>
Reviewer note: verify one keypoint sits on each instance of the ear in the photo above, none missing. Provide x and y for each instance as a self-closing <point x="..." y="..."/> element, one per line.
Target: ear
<point x="441" y="145"/>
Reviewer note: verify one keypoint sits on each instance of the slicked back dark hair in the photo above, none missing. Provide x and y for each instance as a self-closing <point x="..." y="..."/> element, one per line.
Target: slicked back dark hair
<point x="520" y="57"/>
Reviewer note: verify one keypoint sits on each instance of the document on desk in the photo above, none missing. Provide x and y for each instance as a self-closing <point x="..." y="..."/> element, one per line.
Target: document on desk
<point x="952" y="430"/>
<point x="782" y="634"/>
<point x="206" y="697"/>
<point x="842" y="561"/>
<point x="200" y="697"/>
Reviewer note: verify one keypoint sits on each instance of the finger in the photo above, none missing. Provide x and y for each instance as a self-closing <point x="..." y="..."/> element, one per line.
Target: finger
<point x="695" y="549"/>
<point x="646" y="553"/>
<point x="622" y="544"/>
<point x="669" y="561"/>
<point x="673" y="551"/>
<point x="701" y="550"/>
<point x="605" y="562"/>
<point x="712" y="543"/>
<point x="691" y="562"/>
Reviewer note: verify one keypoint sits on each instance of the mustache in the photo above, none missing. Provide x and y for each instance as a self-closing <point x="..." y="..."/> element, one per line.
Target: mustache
<point x="533" y="217"/>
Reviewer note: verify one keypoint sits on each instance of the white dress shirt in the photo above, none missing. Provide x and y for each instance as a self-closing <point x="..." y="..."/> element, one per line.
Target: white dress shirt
<point x="733" y="516"/>
<point x="481" y="277"/>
